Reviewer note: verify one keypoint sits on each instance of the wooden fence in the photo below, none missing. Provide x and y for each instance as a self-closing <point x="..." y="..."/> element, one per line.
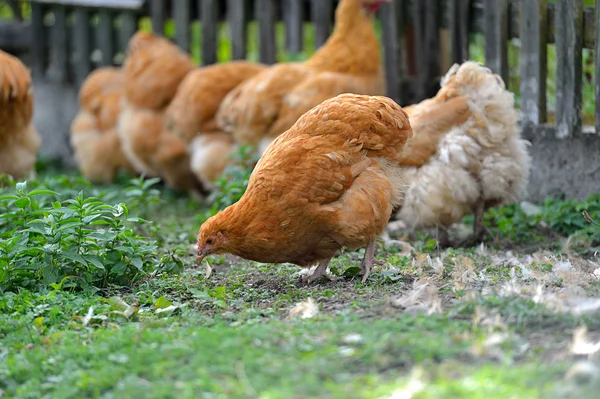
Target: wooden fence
<point x="71" y="37"/>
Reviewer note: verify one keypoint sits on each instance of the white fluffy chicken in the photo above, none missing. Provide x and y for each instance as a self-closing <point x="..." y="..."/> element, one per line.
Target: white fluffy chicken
<point x="481" y="161"/>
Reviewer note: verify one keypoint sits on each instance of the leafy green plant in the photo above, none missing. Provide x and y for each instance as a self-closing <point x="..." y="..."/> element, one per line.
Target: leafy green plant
<point x="87" y="241"/>
<point x="560" y="217"/>
<point x="232" y="184"/>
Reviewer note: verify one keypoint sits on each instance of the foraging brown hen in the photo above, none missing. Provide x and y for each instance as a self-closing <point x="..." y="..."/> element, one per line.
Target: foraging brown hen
<point x="329" y="182"/>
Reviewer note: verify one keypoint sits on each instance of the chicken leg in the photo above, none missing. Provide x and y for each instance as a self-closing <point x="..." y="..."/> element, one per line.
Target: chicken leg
<point x="443" y="238"/>
<point x="367" y="263"/>
<point x="478" y="227"/>
<point x="319" y="271"/>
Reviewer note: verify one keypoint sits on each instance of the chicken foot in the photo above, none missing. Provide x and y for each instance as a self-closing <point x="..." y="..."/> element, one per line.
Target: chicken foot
<point x="443" y="238"/>
<point x="319" y="272"/>
<point x="367" y="263"/>
<point x="478" y="227"/>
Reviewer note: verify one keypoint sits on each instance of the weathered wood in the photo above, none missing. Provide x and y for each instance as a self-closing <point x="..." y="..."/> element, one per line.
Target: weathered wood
<point x="459" y="29"/>
<point x="38" y="43"/>
<point x="117" y="4"/>
<point x="496" y="36"/>
<point x="392" y="26"/>
<point x="589" y="22"/>
<point x="597" y="69"/>
<point x="15" y="36"/>
<point x="127" y="29"/>
<point x="418" y="21"/>
<point x="321" y="17"/>
<point x="533" y="61"/>
<point x="209" y="14"/>
<point x="104" y="37"/>
<point x="181" y="15"/>
<point x="83" y="45"/>
<point x="431" y="45"/>
<point x="265" y="14"/>
<point x="294" y="24"/>
<point x="569" y="19"/>
<point x="157" y="16"/>
<point x="58" y="49"/>
<point x="237" y="17"/>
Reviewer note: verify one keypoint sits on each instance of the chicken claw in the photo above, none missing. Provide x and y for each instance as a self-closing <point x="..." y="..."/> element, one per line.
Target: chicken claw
<point x="367" y="263"/>
<point x="319" y="272"/>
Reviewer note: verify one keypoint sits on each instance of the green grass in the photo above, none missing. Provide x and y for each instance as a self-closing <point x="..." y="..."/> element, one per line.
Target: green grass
<point x="478" y="329"/>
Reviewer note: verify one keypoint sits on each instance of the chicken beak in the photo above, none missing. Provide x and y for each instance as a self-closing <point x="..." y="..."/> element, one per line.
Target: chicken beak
<point x="201" y="255"/>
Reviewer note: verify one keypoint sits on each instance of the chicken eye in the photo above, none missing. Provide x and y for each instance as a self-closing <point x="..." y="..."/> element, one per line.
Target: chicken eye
<point x="210" y="241"/>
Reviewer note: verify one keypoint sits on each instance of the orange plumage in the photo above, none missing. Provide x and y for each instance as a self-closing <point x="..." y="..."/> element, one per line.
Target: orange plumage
<point x="153" y="70"/>
<point x="265" y="106"/>
<point x="93" y="131"/>
<point x="191" y="117"/>
<point x="19" y="140"/>
<point x="466" y="155"/>
<point x="329" y="182"/>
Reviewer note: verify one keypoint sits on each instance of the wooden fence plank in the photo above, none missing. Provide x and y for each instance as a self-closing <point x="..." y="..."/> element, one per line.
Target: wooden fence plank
<point x="418" y="20"/>
<point x="265" y="15"/>
<point x="459" y="29"/>
<point x="294" y="25"/>
<point x="597" y="68"/>
<point x="431" y="41"/>
<point x="39" y="49"/>
<point x="209" y="14"/>
<point x="157" y="16"/>
<point x="127" y="30"/>
<point x="83" y="44"/>
<point x="533" y="61"/>
<point x="237" y="17"/>
<point x="393" y="43"/>
<point x="496" y="36"/>
<point x="59" y="36"/>
<point x="104" y="35"/>
<point x="321" y="18"/>
<point x="569" y="18"/>
<point x="182" y="16"/>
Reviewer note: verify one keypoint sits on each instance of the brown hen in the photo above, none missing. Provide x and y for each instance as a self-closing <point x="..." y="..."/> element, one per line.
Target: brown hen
<point x="191" y="117"/>
<point x="265" y="106"/>
<point x="153" y="71"/>
<point x="329" y="182"/>
<point x="93" y="131"/>
<point x="19" y="140"/>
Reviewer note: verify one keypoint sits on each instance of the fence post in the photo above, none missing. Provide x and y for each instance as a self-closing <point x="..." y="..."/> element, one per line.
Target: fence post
<point x="104" y="37"/>
<point x="209" y="15"/>
<point x="238" y="19"/>
<point x="459" y="30"/>
<point x="321" y="18"/>
<point x="496" y="36"/>
<point x="83" y="41"/>
<point x="392" y="25"/>
<point x="293" y="15"/>
<point x="181" y="15"/>
<point x="157" y="16"/>
<point x="265" y="14"/>
<point x="533" y="28"/>
<point x="569" y="20"/>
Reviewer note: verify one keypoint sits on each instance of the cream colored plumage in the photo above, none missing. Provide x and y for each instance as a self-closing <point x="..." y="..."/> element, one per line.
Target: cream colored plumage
<point x="481" y="161"/>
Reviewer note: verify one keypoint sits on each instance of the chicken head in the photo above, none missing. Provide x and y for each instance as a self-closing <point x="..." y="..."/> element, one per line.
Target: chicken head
<point x="373" y="5"/>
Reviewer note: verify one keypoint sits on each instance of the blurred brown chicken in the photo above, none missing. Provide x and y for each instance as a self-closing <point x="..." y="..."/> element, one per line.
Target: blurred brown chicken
<point x="19" y="140"/>
<point x="191" y="115"/>
<point x="153" y="70"/>
<point x="268" y="104"/>
<point x="93" y="131"/>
